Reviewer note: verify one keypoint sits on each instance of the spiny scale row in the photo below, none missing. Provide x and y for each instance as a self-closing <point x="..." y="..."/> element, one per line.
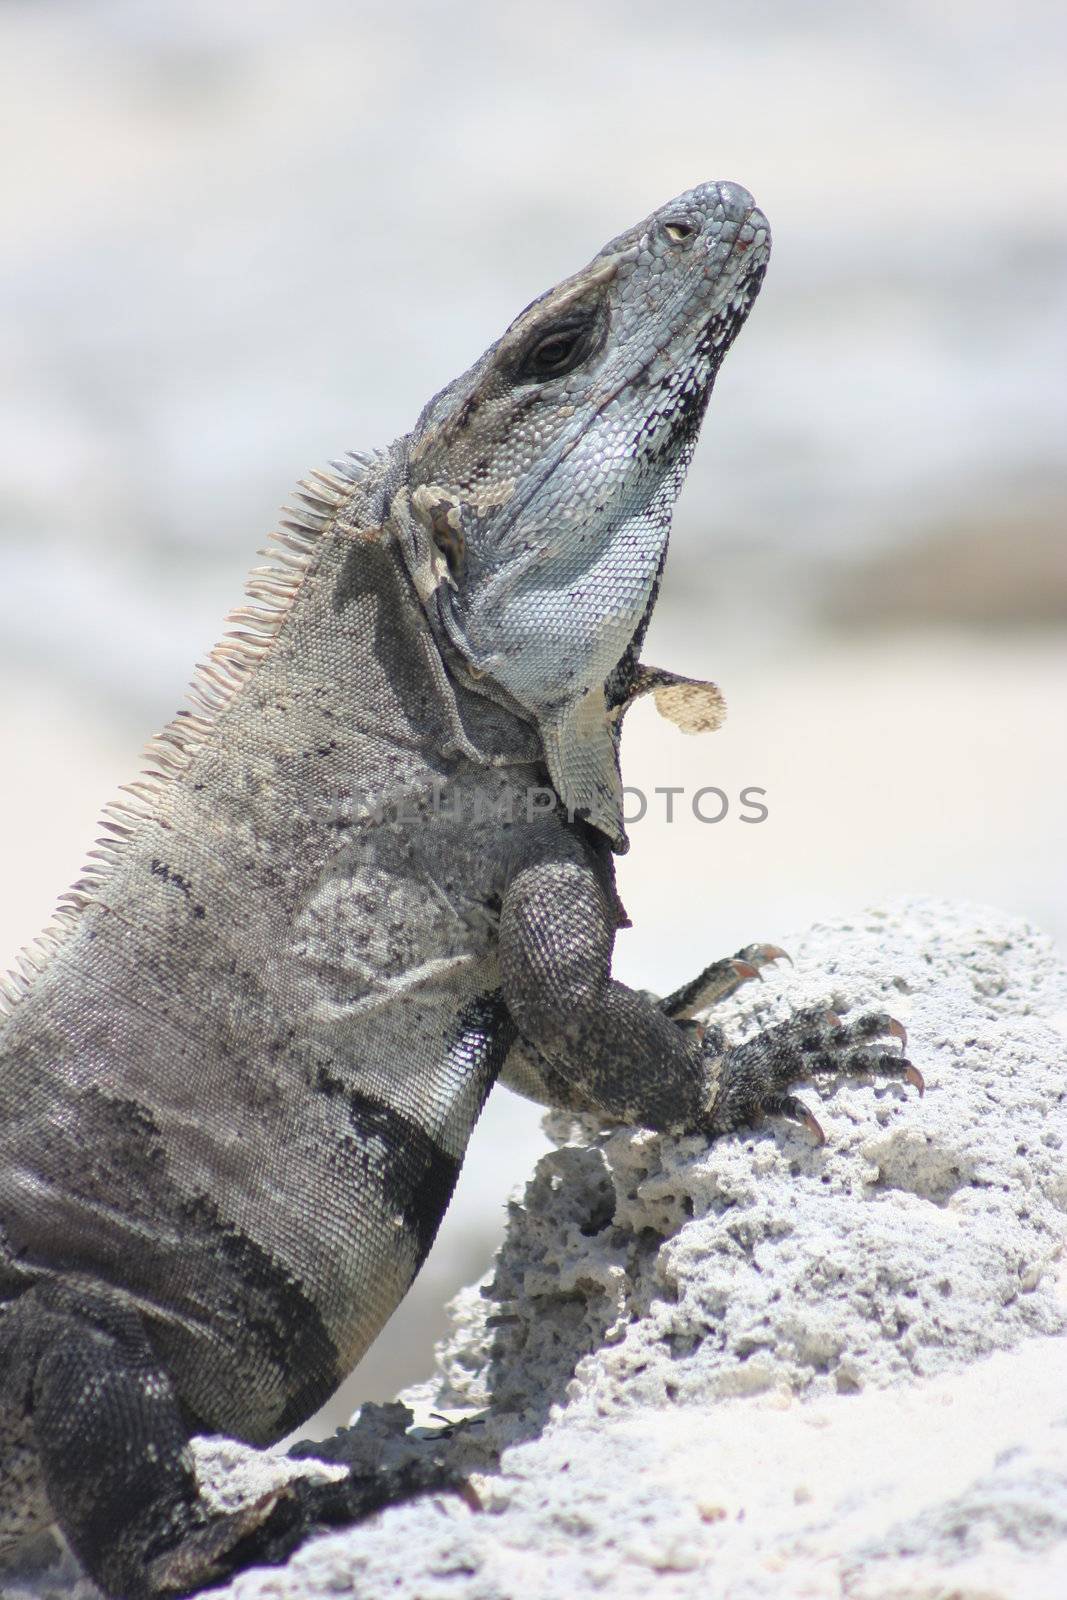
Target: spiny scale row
<point x="272" y="590"/>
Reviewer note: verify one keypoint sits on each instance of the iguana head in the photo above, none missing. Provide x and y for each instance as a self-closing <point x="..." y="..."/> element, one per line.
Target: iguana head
<point x="541" y="482"/>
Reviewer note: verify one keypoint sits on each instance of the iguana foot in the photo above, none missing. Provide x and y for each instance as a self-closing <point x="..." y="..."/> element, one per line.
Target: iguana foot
<point x="223" y="1545"/>
<point x="266" y="1532"/>
<point x="719" y="980"/>
<point x="753" y="1078"/>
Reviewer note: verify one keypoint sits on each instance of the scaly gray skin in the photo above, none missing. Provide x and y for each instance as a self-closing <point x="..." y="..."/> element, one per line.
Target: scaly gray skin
<point x="239" y="1076"/>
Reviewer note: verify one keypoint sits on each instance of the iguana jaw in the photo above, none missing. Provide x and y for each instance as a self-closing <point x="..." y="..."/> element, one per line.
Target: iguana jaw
<point x="540" y="502"/>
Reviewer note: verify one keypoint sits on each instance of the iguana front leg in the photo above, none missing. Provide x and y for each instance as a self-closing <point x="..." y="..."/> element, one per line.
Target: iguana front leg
<point x="602" y="1046"/>
<point x="529" y="1073"/>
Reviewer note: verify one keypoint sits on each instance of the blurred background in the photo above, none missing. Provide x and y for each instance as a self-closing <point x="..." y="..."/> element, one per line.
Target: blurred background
<point x="238" y="240"/>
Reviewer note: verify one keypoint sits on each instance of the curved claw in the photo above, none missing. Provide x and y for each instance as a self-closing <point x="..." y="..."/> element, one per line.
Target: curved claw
<point x="898" y="1031"/>
<point x="772" y="952"/>
<point x="809" y="1121"/>
<point x="915" y="1077"/>
<point x="745" y="969"/>
<point x="794" y="1110"/>
<point x="761" y="955"/>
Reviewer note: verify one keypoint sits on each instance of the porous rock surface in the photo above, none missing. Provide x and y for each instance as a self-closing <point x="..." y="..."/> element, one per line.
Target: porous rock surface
<point x="762" y="1368"/>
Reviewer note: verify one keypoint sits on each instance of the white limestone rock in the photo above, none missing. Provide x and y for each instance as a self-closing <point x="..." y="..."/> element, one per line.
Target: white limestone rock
<point x="765" y="1368"/>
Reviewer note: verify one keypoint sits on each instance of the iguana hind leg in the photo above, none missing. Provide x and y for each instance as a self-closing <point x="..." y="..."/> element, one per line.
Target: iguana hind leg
<point x="110" y="1441"/>
<point x="24" y="1507"/>
<point x="112" y="1457"/>
<point x="112" y="1449"/>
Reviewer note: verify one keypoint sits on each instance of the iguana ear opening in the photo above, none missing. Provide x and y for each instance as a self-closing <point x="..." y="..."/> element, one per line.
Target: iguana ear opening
<point x="429" y="554"/>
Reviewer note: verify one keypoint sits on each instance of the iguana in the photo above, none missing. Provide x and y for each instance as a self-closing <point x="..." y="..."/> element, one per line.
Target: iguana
<point x="368" y="874"/>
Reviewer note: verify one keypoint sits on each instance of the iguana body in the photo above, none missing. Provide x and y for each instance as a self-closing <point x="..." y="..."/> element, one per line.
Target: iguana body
<point x="238" y="1081"/>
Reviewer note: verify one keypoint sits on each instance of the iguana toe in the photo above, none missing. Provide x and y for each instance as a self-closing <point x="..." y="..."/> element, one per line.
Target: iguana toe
<point x="752" y="1079"/>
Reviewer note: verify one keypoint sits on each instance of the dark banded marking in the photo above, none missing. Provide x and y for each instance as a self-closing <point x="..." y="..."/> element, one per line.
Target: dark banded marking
<point x="257" y="1319"/>
<point x="279" y="1320"/>
<point x="417" y="1174"/>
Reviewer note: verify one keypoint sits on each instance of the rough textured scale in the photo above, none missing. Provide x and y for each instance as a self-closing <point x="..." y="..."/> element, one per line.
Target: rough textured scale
<point x="367" y="875"/>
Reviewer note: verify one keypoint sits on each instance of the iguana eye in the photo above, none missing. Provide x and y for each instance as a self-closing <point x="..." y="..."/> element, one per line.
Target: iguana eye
<point x="554" y="352"/>
<point x="558" y="352"/>
<point x="677" y="232"/>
